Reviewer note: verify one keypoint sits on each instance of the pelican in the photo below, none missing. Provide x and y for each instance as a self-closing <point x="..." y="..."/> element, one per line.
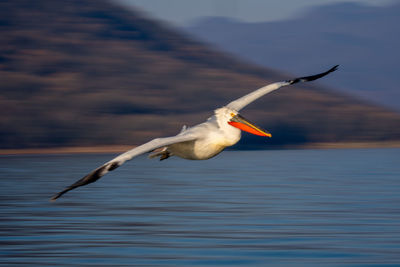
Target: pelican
<point x="202" y="141"/>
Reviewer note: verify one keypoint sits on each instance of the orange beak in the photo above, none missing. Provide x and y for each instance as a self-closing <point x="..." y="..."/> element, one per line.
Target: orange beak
<point x="245" y="125"/>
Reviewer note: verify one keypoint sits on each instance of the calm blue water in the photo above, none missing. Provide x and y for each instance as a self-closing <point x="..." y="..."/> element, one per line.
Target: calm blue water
<point x="242" y="208"/>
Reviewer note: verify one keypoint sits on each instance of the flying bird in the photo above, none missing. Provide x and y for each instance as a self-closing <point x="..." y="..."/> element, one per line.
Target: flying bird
<point x="202" y="141"/>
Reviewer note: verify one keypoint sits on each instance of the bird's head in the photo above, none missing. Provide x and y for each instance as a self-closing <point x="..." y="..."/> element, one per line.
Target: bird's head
<point x="234" y="119"/>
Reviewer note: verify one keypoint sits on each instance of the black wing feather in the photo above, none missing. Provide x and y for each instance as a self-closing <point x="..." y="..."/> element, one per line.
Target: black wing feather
<point x="313" y="77"/>
<point x="90" y="178"/>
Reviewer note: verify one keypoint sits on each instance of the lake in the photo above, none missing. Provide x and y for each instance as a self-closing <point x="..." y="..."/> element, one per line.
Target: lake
<point x="338" y="207"/>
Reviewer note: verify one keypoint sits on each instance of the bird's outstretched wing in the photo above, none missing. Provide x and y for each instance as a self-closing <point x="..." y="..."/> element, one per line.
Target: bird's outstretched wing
<point x="240" y="103"/>
<point x="121" y="159"/>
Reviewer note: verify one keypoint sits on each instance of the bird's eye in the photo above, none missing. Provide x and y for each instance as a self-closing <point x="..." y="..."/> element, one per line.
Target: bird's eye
<point x="233" y="114"/>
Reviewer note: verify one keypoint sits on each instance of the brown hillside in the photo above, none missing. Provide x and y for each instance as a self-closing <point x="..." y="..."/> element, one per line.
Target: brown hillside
<point x="92" y="73"/>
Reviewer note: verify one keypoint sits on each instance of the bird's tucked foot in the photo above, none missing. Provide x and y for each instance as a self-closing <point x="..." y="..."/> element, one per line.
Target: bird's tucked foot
<point x="163" y="154"/>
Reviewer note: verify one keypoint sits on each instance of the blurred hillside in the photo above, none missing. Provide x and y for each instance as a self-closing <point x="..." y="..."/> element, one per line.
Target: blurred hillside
<point x="80" y="72"/>
<point x="364" y="39"/>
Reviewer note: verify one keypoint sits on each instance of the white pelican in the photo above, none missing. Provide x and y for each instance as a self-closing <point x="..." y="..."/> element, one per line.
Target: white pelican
<point x="199" y="142"/>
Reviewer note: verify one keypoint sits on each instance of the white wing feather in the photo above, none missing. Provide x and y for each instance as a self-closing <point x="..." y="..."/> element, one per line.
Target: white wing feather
<point x="240" y="103"/>
<point x="121" y="159"/>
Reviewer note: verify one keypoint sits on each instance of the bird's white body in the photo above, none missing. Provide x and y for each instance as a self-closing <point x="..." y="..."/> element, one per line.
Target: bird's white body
<point x="214" y="136"/>
<point x="199" y="142"/>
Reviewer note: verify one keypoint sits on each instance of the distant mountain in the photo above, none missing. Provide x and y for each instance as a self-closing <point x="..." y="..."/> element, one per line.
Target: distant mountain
<point x="80" y="72"/>
<point x="364" y="40"/>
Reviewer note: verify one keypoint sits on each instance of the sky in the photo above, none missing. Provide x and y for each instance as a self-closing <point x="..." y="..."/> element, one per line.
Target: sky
<point x="183" y="12"/>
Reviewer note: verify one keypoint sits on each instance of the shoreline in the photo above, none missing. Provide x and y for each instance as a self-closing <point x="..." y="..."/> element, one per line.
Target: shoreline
<point x="67" y="150"/>
<point x="123" y="148"/>
<point x="347" y="145"/>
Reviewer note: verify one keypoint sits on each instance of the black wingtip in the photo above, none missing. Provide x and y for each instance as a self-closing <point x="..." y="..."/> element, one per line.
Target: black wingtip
<point x="90" y="178"/>
<point x="69" y="188"/>
<point x="56" y="196"/>
<point x="313" y="77"/>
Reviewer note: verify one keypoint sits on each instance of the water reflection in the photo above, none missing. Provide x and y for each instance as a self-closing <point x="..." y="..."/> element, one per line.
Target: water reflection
<point x="304" y="207"/>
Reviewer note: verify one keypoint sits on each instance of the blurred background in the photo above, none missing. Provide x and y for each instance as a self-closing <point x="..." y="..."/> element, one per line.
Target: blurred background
<point x="104" y="74"/>
<point x="90" y="73"/>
